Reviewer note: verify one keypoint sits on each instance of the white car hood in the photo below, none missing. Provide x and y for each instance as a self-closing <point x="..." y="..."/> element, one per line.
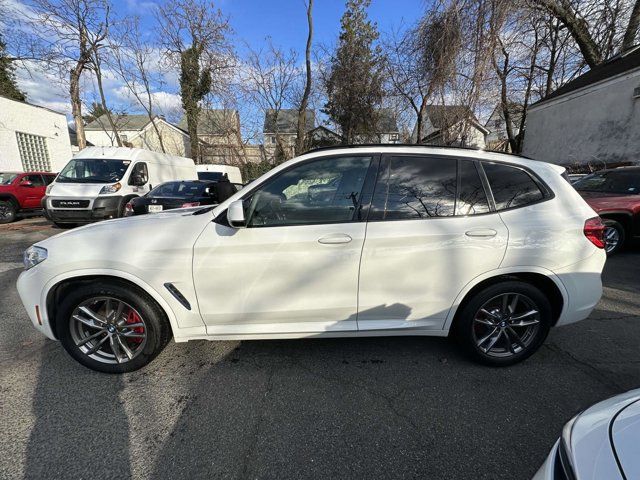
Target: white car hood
<point x="63" y="189"/>
<point x="626" y="439"/>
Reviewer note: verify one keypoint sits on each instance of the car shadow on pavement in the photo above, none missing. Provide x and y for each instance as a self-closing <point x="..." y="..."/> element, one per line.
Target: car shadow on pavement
<point x="80" y="427"/>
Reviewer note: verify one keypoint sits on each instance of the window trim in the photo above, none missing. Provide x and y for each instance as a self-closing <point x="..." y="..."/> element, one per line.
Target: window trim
<point x="547" y="193"/>
<point x="374" y="166"/>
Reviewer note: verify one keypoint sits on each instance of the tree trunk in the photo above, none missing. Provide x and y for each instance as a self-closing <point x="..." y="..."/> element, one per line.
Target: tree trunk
<point x="632" y="28"/>
<point x="76" y="104"/>
<point x="103" y="100"/>
<point x="577" y="27"/>
<point x="302" y="117"/>
<point x="420" y="120"/>
<point x="192" y="127"/>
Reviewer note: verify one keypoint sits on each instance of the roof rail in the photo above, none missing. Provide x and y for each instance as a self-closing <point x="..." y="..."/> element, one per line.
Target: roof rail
<point x="414" y="145"/>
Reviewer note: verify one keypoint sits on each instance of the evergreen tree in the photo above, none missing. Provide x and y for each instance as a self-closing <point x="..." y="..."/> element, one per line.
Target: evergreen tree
<point x="355" y="84"/>
<point x="8" y="86"/>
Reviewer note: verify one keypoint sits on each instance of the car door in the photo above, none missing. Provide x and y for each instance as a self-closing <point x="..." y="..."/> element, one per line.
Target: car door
<point x="32" y="189"/>
<point x="431" y="230"/>
<point x="294" y="268"/>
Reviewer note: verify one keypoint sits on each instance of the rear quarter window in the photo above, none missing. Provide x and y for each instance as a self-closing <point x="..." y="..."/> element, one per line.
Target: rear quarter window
<point x="511" y="186"/>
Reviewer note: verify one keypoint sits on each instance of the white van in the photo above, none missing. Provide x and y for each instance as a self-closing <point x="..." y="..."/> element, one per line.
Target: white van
<point x="215" y="172"/>
<point x="99" y="181"/>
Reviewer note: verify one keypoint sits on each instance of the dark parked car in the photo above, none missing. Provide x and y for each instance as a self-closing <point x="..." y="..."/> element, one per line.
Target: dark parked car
<point x="20" y="193"/>
<point x="615" y="195"/>
<point x="183" y="194"/>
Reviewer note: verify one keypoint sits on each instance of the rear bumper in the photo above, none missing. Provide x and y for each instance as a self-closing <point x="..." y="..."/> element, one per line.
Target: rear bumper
<point x="583" y="283"/>
<point x="99" y="209"/>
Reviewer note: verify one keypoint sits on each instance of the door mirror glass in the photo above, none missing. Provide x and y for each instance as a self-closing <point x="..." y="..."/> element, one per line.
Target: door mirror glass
<point x="235" y="214"/>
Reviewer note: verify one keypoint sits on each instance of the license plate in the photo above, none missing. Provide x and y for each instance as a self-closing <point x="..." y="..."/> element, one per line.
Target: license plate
<point x="154" y="208"/>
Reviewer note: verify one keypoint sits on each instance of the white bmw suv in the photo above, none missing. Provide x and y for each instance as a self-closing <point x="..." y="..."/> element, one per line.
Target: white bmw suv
<point x="359" y="241"/>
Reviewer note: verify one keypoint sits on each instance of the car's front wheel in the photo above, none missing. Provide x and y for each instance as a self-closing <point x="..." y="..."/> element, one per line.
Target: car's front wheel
<point x="504" y="323"/>
<point x="111" y="327"/>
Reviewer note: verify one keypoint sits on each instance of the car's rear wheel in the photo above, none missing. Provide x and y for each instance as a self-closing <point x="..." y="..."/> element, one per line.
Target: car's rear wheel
<point x="504" y="323"/>
<point x="7" y="211"/>
<point x="112" y="328"/>
<point x="614" y="236"/>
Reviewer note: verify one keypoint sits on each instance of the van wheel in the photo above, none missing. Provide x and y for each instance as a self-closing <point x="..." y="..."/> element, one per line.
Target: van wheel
<point x="111" y="327"/>
<point x="7" y="211"/>
<point x="504" y="324"/>
<point x="614" y="236"/>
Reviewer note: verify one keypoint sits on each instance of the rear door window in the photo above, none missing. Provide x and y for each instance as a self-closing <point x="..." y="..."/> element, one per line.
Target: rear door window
<point x="511" y="186"/>
<point x="472" y="198"/>
<point x="415" y="187"/>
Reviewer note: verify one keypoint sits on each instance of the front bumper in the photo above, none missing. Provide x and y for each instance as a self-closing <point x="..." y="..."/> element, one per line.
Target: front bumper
<point x="548" y="468"/>
<point x="30" y="288"/>
<point x="101" y="208"/>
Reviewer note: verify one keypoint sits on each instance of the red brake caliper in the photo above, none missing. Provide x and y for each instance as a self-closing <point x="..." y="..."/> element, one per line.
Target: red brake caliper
<point x="133" y="317"/>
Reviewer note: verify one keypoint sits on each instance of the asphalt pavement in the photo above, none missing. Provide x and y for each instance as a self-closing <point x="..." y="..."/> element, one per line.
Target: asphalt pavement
<point x="319" y="408"/>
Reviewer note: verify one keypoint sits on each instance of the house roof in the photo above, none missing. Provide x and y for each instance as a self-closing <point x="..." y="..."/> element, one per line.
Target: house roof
<point x="122" y="121"/>
<point x="616" y="65"/>
<point x="287" y="121"/>
<point x="515" y="109"/>
<point x="214" y="122"/>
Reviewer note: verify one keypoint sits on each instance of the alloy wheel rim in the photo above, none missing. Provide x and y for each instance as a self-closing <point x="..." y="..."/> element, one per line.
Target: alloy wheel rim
<point x="506" y="325"/>
<point x="611" y="239"/>
<point x="5" y="211"/>
<point x="108" y="330"/>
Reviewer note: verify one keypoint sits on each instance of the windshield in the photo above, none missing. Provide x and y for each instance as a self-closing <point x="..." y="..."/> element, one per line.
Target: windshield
<point x="7" y="178"/>
<point x="613" y="181"/>
<point x="178" y="190"/>
<point x="91" y="170"/>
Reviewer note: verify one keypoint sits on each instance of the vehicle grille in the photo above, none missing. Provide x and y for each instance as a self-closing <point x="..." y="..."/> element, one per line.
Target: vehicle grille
<point x="70" y="203"/>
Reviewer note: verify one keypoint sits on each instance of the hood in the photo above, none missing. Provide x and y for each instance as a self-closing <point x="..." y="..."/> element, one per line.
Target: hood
<point x="131" y="244"/>
<point x="608" y="201"/>
<point x="64" y="189"/>
<point x="625" y="433"/>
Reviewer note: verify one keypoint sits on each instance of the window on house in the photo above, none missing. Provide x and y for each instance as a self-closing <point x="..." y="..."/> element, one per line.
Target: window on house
<point x="273" y="139"/>
<point x="33" y="152"/>
<point x="124" y="138"/>
<point x="394" y="137"/>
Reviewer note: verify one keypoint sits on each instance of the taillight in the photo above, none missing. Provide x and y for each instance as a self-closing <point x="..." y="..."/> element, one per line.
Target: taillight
<point x="594" y="231"/>
<point x="128" y="209"/>
<point x="190" y="204"/>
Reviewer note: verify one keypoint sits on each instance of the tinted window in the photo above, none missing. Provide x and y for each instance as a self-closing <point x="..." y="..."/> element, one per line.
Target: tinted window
<point x="49" y="178"/>
<point x="322" y="191"/>
<point x="415" y="187"/>
<point x="36" y="180"/>
<point x="178" y="190"/>
<point x="472" y="198"/>
<point x="209" y="175"/>
<point x="511" y="186"/>
<point x="7" y="178"/>
<point x="625" y="182"/>
<point x="139" y="170"/>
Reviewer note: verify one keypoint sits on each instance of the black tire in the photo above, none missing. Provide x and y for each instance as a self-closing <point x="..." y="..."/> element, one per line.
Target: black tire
<point x="8" y="211"/>
<point x="158" y="330"/>
<point x="466" y="326"/>
<point x="614" y="231"/>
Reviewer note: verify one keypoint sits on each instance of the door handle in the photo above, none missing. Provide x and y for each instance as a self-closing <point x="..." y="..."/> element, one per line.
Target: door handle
<point x="335" y="239"/>
<point x="481" y="232"/>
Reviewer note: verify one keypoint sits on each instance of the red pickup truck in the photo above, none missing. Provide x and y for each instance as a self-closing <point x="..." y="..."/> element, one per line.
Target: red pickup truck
<point x="615" y="195"/>
<point x="21" y="193"/>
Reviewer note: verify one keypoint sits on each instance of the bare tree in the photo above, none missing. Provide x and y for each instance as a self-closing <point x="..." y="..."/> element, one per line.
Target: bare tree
<point x="270" y="79"/>
<point x="302" y="109"/>
<point x="136" y="61"/>
<point x="96" y="67"/>
<point x="194" y="34"/>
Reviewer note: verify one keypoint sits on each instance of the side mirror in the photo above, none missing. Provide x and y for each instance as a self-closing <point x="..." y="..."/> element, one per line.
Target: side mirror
<point x="235" y="214"/>
<point x="26" y="183"/>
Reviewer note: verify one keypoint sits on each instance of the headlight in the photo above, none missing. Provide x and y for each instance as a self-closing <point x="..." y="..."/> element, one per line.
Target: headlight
<point x="33" y="256"/>
<point x="110" y="188"/>
<point x="48" y="189"/>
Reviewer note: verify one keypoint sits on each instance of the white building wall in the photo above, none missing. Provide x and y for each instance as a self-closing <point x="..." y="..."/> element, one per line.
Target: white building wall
<point x="22" y="117"/>
<point x="597" y="125"/>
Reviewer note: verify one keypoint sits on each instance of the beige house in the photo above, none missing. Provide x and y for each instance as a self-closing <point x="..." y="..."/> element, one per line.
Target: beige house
<point x="497" y="138"/>
<point x="137" y="131"/>
<point x="220" y="137"/>
<point x="451" y="125"/>
<point x="283" y="125"/>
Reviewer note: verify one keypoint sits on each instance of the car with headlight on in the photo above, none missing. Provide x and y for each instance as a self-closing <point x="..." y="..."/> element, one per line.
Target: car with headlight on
<point x="339" y="242"/>
<point x="603" y="442"/>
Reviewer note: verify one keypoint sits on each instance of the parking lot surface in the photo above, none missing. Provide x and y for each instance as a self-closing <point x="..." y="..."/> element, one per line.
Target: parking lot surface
<point x="324" y="408"/>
